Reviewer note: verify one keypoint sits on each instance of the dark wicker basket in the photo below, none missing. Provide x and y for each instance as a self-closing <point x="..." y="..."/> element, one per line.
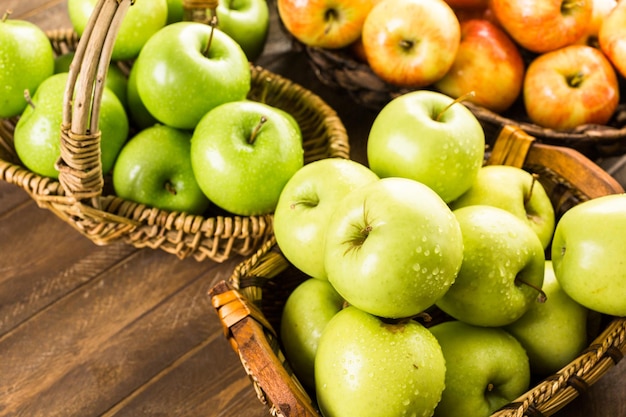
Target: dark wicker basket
<point x="250" y="303"/>
<point x="82" y="196"/>
<point x="340" y="69"/>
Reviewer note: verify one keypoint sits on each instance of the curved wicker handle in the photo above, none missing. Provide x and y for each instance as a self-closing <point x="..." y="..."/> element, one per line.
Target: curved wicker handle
<point x="80" y="167"/>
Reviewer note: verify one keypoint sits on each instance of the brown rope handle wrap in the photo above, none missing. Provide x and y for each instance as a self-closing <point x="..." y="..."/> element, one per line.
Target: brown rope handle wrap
<point x="80" y="167"/>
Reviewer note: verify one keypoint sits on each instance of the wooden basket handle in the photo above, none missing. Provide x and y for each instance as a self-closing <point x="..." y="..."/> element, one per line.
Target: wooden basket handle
<point x="516" y="147"/>
<point x="80" y="167"/>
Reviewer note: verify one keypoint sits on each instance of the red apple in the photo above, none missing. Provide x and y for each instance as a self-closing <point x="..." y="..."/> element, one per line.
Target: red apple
<point x="612" y="37"/>
<point x="488" y="63"/>
<point x="601" y="9"/>
<point x="411" y="43"/>
<point x="571" y="86"/>
<point x="328" y="24"/>
<point x="543" y="25"/>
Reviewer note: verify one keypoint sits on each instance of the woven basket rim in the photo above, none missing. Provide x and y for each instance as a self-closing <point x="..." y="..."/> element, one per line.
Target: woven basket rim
<point x="356" y="77"/>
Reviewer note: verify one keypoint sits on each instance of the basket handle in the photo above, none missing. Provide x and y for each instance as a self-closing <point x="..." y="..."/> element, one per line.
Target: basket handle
<point x="516" y="147"/>
<point x="79" y="166"/>
<point x="196" y="11"/>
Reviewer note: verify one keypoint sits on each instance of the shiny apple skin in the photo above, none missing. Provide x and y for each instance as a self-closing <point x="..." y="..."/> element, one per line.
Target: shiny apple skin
<point x="411" y="43"/>
<point x="550" y="99"/>
<point x="540" y="25"/>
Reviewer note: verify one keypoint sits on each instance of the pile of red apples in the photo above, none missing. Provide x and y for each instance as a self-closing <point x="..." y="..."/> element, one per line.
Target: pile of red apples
<point x="563" y="59"/>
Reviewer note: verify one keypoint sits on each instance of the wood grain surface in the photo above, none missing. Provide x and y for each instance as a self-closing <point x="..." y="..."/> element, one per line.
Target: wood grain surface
<point x="90" y="330"/>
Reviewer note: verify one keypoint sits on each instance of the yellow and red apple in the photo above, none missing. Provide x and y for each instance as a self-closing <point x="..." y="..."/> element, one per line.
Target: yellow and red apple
<point x="487" y="63"/>
<point x="328" y="24"/>
<point x="569" y="87"/>
<point x="612" y="37"/>
<point x="543" y="25"/>
<point x="411" y="43"/>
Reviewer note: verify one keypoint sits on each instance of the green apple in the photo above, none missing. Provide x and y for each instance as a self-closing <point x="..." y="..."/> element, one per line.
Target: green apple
<point x="142" y="20"/>
<point x="502" y="270"/>
<point x="588" y="254"/>
<point x="116" y="79"/>
<point x="486" y="368"/>
<point x="307" y="311"/>
<point x="137" y="111"/>
<point x="247" y="22"/>
<point x="180" y="76"/>
<point x="26" y="60"/>
<point x="393" y="247"/>
<point x="306" y="204"/>
<point x="37" y="133"/>
<point x="175" y="11"/>
<point x="426" y="136"/>
<point x="367" y="367"/>
<point x="553" y="333"/>
<point x="243" y="153"/>
<point x="154" y="168"/>
<point x="516" y="190"/>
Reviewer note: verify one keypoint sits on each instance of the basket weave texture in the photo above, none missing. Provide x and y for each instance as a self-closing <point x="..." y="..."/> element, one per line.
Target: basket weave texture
<point x="339" y="69"/>
<point x="82" y="196"/>
<point x="249" y="303"/>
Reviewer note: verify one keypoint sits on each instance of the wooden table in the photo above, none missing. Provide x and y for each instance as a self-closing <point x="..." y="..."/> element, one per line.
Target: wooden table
<point x="117" y="331"/>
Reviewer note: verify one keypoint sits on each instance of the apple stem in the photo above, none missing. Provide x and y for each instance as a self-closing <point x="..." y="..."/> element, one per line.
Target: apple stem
<point x="170" y="188"/>
<point x="542" y="295"/>
<point x="456" y="100"/>
<point x="490" y="387"/>
<point x="256" y="130"/>
<point x="29" y="99"/>
<point x="329" y="16"/>
<point x="213" y="24"/>
<point x="6" y="15"/>
<point x="529" y="195"/>
<point x="575" y="80"/>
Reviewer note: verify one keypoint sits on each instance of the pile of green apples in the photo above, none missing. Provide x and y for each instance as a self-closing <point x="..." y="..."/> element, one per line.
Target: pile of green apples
<point x="426" y="227"/>
<point x="177" y="130"/>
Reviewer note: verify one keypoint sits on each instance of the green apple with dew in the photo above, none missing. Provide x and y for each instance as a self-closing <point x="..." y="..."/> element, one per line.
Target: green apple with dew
<point x="116" y="79"/>
<point x="553" y="333"/>
<point x="307" y="311"/>
<point x="428" y="137"/>
<point x="393" y="247"/>
<point x="22" y="68"/>
<point x="502" y="270"/>
<point x="306" y="204"/>
<point x="368" y="367"/>
<point x="516" y="190"/>
<point x="37" y="132"/>
<point x="243" y="153"/>
<point x="588" y="254"/>
<point x="154" y="168"/>
<point x="138" y="114"/>
<point x="175" y="11"/>
<point x="486" y="368"/>
<point x="187" y="69"/>
<point x="142" y="20"/>
<point x="247" y="22"/>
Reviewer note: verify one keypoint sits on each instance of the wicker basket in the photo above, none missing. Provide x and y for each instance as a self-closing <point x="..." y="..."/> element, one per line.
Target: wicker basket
<point x="82" y="196"/>
<point x="339" y="69"/>
<point x="249" y="304"/>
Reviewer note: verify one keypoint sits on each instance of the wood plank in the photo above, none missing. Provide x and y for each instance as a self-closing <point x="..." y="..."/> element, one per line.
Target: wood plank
<point x="210" y="382"/>
<point x="49" y="14"/>
<point x="11" y="197"/>
<point x="34" y="276"/>
<point x="92" y="340"/>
